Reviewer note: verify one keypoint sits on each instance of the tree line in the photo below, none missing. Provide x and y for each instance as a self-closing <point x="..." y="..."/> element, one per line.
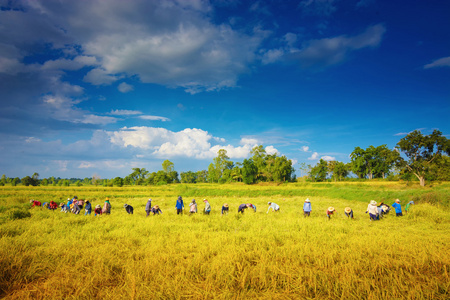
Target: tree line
<point x="424" y="157"/>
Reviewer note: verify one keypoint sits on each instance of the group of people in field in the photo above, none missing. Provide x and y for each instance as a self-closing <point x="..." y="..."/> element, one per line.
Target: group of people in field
<point x="74" y="205"/>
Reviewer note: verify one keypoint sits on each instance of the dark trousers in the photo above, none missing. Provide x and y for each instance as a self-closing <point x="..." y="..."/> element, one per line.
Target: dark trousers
<point x="399" y="214"/>
<point x="179" y="211"/>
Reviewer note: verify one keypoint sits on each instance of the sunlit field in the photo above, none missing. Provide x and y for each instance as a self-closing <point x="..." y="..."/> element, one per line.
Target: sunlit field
<point x="52" y="255"/>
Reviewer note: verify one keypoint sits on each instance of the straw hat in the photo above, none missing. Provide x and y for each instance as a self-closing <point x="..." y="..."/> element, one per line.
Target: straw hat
<point x="98" y="206"/>
<point x="385" y="208"/>
<point x="307" y="200"/>
<point x="348" y="210"/>
<point x="156" y="206"/>
<point x="204" y="200"/>
<point x="331" y="208"/>
<point x="107" y="199"/>
<point x="31" y="201"/>
<point x="125" y="205"/>
<point x="397" y="200"/>
<point x="226" y="205"/>
<point x="373" y="202"/>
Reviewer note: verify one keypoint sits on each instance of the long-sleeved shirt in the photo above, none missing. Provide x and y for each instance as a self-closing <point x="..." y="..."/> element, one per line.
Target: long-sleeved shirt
<point x="156" y="211"/>
<point x="398" y="207"/>
<point x="242" y="207"/>
<point x="148" y="206"/>
<point x="180" y="203"/>
<point x="207" y="206"/>
<point x="193" y="207"/>
<point x="88" y="206"/>
<point x="372" y="209"/>
<point x="307" y="207"/>
<point x="273" y="206"/>
<point x="224" y="210"/>
<point x="129" y="209"/>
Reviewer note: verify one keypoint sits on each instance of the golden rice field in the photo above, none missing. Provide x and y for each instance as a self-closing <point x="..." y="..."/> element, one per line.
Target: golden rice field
<point x="53" y="255"/>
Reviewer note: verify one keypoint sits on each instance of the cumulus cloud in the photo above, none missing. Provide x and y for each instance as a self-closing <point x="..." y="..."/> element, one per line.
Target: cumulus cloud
<point x="271" y="150"/>
<point x="305" y="148"/>
<point x="441" y="62"/>
<point x="125" y="87"/>
<point x="314" y="156"/>
<point x="328" y="158"/>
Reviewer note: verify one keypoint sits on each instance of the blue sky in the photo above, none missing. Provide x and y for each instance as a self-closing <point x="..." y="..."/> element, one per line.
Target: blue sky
<point x="100" y="87"/>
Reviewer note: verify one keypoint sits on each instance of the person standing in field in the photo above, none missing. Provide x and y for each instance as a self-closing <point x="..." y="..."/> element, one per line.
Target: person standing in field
<point x="156" y="210"/>
<point x="273" y="206"/>
<point x="225" y="209"/>
<point x="129" y="209"/>
<point x="307" y="208"/>
<point x="88" y="208"/>
<point x="148" y="206"/>
<point x="207" y="207"/>
<point x="106" y="207"/>
<point x="179" y="205"/>
<point x="242" y="207"/>
<point x="398" y="208"/>
<point x="348" y="212"/>
<point x="372" y="209"/>
<point x="407" y="206"/>
<point x="330" y="212"/>
<point x="97" y="210"/>
<point x="193" y="207"/>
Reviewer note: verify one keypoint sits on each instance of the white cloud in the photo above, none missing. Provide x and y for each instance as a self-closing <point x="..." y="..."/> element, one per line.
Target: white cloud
<point x="100" y="77"/>
<point x="154" y="118"/>
<point x="314" y="156"/>
<point x="328" y="158"/>
<point x="32" y="139"/>
<point x="441" y="62"/>
<point x="125" y="87"/>
<point x="305" y="148"/>
<point x="271" y="150"/>
<point x="249" y="141"/>
<point x="125" y="112"/>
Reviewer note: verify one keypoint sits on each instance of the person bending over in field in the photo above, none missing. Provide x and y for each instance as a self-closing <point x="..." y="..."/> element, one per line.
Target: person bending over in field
<point x="407" y="206"/>
<point x="372" y="209"/>
<point x="52" y="205"/>
<point x="75" y="207"/>
<point x="179" y="205"/>
<point x="252" y="206"/>
<point x="207" y="207"/>
<point x="88" y="208"/>
<point x="307" y="208"/>
<point x="242" y="207"/>
<point x="348" y="212"/>
<point x="129" y="209"/>
<point x="398" y="208"/>
<point x="193" y="207"/>
<point x="81" y="203"/>
<point x="106" y="207"/>
<point x="148" y="206"/>
<point x="156" y="210"/>
<point x="35" y="203"/>
<point x="330" y="212"/>
<point x="97" y="210"/>
<point x="273" y="206"/>
<point x="69" y="204"/>
<point x="225" y="210"/>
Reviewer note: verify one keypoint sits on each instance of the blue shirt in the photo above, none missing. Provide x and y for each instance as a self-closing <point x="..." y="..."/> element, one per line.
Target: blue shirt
<point x="307" y="207"/>
<point x="398" y="207"/>
<point x="179" y="204"/>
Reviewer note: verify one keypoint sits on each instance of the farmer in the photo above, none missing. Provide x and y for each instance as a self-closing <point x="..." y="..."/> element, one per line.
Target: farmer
<point x="348" y="212"/>
<point x="307" y="208"/>
<point x="330" y="212"/>
<point x="35" y="203"/>
<point x="106" y="207"/>
<point x="193" y="207"/>
<point x="156" y="210"/>
<point x="63" y="207"/>
<point x="398" y="208"/>
<point x="408" y="205"/>
<point x="129" y="209"/>
<point x="380" y="210"/>
<point x="180" y="205"/>
<point x="372" y="209"/>
<point x="148" y="206"/>
<point x="75" y="207"/>
<point x="225" y="209"/>
<point x="273" y="206"/>
<point x="81" y="203"/>
<point x="242" y="207"/>
<point x="252" y="206"/>
<point x="52" y="205"/>
<point x="98" y="210"/>
<point x="69" y="204"/>
<point x="87" y="208"/>
<point x="207" y="207"/>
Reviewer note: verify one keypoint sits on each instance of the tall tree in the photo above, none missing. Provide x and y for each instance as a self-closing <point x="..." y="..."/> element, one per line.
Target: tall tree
<point x="249" y="171"/>
<point x="259" y="159"/>
<point x="319" y="171"/>
<point x="422" y="152"/>
<point x="167" y="166"/>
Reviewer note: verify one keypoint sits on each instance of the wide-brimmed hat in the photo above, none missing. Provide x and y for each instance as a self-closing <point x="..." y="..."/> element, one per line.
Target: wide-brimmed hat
<point x="373" y="202"/>
<point x="107" y="199"/>
<point x="348" y="210"/>
<point x="331" y="208"/>
<point x="31" y="201"/>
<point x="397" y="200"/>
<point x="204" y="200"/>
<point x="98" y="206"/>
<point x="385" y="208"/>
<point x="226" y="205"/>
<point x="125" y="205"/>
<point x="307" y="200"/>
<point x="156" y="206"/>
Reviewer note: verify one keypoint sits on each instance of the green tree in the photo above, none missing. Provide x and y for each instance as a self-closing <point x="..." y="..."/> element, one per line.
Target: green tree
<point x="138" y="175"/>
<point x="3" y="179"/>
<point x="201" y="176"/>
<point x="15" y="181"/>
<point x="319" y="171"/>
<point x="188" y="177"/>
<point x="422" y="152"/>
<point x="249" y="171"/>
<point x="259" y="159"/>
<point x="167" y="166"/>
<point x="118" y="181"/>
<point x="283" y="169"/>
<point x="44" y="182"/>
